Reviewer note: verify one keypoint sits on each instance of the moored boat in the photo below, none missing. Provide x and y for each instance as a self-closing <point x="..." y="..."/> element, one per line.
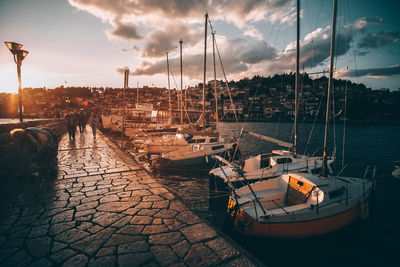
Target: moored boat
<point x="299" y="205"/>
<point x="194" y="156"/>
<point x="264" y="166"/>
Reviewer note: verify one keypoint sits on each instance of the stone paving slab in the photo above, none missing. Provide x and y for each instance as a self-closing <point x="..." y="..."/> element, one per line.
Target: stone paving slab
<point x="103" y="210"/>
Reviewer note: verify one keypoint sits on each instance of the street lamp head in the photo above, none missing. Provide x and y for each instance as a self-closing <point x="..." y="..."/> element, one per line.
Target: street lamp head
<point x="13" y="47"/>
<point x="22" y="54"/>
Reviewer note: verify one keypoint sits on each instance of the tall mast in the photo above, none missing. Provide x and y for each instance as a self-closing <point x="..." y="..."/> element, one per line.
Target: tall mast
<point x="126" y="77"/>
<point x="215" y="77"/>
<point x="324" y="170"/>
<point x="205" y="62"/>
<point x="181" y="98"/>
<point x="296" y="86"/>
<point x="137" y="94"/>
<point x="169" y="90"/>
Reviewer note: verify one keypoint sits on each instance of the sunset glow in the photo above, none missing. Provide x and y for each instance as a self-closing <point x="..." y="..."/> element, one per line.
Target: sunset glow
<point x="86" y="43"/>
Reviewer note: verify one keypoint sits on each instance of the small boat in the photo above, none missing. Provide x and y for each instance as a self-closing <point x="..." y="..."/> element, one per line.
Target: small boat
<point x="264" y="166"/>
<point x="299" y="205"/>
<point x="195" y="156"/>
<point x="168" y="143"/>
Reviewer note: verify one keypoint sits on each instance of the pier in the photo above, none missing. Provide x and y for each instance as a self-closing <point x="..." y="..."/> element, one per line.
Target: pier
<point x="103" y="209"/>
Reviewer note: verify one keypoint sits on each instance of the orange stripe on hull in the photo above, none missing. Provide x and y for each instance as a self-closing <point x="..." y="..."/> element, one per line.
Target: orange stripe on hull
<point x="249" y="226"/>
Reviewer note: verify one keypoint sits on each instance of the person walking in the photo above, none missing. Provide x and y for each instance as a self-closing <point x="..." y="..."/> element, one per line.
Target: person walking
<point x="71" y="125"/>
<point x="93" y="122"/>
<point x="81" y="121"/>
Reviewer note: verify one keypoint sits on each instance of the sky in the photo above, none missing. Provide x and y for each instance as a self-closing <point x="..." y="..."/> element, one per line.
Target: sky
<point x="91" y="42"/>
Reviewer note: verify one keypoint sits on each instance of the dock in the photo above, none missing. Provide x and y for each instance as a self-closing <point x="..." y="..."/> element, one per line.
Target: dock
<point x="103" y="209"/>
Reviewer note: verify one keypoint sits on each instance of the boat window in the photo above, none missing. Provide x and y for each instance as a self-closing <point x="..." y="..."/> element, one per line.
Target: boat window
<point x="217" y="147"/>
<point x="191" y="141"/>
<point x="338" y="192"/>
<point x="200" y="140"/>
<point x="213" y="140"/>
<point x="265" y="161"/>
<point x="283" y="160"/>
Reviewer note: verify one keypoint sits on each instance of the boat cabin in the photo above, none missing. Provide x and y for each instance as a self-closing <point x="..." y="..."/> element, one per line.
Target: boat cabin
<point x="268" y="160"/>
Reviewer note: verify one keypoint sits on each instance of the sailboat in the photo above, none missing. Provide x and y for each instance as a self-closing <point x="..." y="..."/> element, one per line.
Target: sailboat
<point x="268" y="165"/>
<point x="197" y="153"/>
<point x="298" y="205"/>
<point x="186" y="136"/>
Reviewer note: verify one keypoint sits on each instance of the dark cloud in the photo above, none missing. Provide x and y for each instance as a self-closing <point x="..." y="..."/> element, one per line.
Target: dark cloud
<point x="127" y="16"/>
<point x="177" y="8"/>
<point x="315" y="49"/>
<point x="194" y="70"/>
<point x="252" y="51"/>
<point x="125" y="31"/>
<point x="375" y="72"/>
<point x="161" y="40"/>
<point x="379" y="39"/>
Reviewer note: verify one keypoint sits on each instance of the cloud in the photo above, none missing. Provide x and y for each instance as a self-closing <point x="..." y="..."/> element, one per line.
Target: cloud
<point x="253" y="32"/>
<point x="315" y="49"/>
<point x="371" y="73"/>
<point x="167" y="39"/>
<point x="237" y="56"/>
<point x="288" y="16"/>
<point x="252" y="51"/>
<point x="363" y="23"/>
<point x="379" y="39"/>
<point x="250" y="56"/>
<point x="139" y="12"/>
<point x="157" y="26"/>
<point x="124" y="31"/>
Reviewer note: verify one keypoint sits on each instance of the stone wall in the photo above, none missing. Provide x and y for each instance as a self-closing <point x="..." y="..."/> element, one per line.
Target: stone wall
<point x="58" y="126"/>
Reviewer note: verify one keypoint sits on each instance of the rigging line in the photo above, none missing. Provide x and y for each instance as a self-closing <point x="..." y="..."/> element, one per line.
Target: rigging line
<point x="184" y="103"/>
<point x="309" y="16"/>
<point x="352" y="41"/>
<point x="281" y="25"/>
<point x="344" y="124"/>
<point x="229" y="91"/>
<point x="333" y="80"/>
<point x="319" y="14"/>
<point x="279" y="118"/>
<point x="315" y="120"/>
<point x="227" y="84"/>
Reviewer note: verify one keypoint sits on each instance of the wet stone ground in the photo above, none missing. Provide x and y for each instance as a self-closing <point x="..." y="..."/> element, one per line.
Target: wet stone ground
<point x="103" y="210"/>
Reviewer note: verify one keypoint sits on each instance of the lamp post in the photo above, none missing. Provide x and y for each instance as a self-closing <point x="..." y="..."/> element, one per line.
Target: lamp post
<point x="19" y="55"/>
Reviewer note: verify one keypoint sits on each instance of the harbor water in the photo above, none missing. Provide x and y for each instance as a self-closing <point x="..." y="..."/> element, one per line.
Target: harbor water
<point x="364" y="243"/>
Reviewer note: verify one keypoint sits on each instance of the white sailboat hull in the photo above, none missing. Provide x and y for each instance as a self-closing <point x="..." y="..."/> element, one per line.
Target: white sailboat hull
<point x="300" y="164"/>
<point x="191" y="157"/>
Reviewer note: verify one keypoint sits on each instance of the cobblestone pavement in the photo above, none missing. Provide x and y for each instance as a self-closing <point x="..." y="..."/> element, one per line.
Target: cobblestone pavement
<point x="103" y="210"/>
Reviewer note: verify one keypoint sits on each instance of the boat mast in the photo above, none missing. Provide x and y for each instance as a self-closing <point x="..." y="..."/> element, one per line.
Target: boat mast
<point x="215" y="78"/>
<point x="296" y="86"/>
<point x="205" y="62"/>
<point x="137" y="94"/>
<point x="181" y="98"/>
<point x="126" y="76"/>
<point x="169" y="90"/>
<point x="324" y="170"/>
